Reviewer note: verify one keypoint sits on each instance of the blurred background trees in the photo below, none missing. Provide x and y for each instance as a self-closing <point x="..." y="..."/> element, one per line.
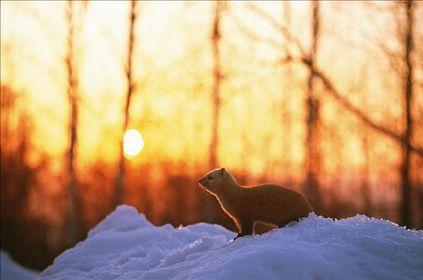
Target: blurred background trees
<point x="324" y="97"/>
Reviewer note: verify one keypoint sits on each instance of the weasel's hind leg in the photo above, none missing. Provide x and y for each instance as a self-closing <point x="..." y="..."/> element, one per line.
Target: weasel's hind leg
<point x="247" y="228"/>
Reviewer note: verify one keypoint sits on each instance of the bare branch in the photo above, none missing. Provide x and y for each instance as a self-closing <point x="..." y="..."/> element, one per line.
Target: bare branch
<point x="344" y="102"/>
<point x="279" y="27"/>
<point x="266" y="40"/>
<point x="392" y="58"/>
<point x="253" y="36"/>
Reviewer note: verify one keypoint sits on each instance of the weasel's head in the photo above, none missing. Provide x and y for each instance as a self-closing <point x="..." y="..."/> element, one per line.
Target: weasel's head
<point x="216" y="181"/>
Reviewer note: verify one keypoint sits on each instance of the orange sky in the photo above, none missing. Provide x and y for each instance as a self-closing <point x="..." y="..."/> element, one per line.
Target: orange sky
<point x="171" y="107"/>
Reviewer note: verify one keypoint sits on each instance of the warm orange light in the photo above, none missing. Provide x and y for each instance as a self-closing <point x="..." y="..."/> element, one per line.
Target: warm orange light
<point x="132" y="143"/>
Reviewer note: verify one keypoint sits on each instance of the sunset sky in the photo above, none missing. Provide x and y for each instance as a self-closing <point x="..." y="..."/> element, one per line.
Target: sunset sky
<point x="263" y="106"/>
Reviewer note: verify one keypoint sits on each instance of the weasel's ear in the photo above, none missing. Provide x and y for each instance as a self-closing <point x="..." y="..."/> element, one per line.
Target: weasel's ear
<point x="221" y="171"/>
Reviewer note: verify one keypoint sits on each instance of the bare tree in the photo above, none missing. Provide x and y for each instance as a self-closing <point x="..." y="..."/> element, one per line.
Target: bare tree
<point x="408" y="92"/>
<point x="312" y="122"/>
<point x="365" y="184"/>
<point x="217" y="77"/>
<point x="286" y="108"/>
<point x="216" y="99"/>
<point x="366" y="146"/>
<point x="120" y="177"/>
<point x="72" y="94"/>
<point x="403" y="66"/>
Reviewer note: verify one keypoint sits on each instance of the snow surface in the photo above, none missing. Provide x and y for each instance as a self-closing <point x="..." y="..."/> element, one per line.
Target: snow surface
<point x="9" y="270"/>
<point x="126" y="246"/>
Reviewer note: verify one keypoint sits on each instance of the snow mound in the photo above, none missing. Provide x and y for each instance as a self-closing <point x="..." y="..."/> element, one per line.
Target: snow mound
<point x="126" y="246"/>
<point x="9" y="270"/>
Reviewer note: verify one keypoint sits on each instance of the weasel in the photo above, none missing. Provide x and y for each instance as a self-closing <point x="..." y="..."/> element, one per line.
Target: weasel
<point x="267" y="203"/>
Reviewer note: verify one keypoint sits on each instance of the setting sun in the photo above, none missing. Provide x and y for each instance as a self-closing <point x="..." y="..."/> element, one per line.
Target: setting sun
<point x="132" y="143"/>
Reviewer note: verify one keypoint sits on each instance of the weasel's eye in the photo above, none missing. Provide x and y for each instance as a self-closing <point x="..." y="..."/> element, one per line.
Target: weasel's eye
<point x="209" y="177"/>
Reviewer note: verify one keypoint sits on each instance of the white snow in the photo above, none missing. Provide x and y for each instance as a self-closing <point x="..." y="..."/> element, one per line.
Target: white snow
<point x="126" y="246"/>
<point x="9" y="270"/>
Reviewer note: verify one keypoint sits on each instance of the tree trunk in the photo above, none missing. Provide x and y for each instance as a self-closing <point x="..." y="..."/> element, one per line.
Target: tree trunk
<point x="407" y="136"/>
<point x="365" y="183"/>
<point x="286" y="104"/>
<point x="72" y="88"/>
<point x="120" y="177"/>
<point x="217" y="77"/>
<point x="312" y="157"/>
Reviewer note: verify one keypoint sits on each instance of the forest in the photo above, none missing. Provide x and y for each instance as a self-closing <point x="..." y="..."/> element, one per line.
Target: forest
<point x="131" y="102"/>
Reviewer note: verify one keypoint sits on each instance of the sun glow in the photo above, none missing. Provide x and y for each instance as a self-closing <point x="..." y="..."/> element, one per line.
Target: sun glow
<point x="132" y="143"/>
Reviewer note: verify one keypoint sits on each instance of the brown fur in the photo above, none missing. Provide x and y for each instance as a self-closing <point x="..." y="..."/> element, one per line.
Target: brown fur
<point x="269" y="204"/>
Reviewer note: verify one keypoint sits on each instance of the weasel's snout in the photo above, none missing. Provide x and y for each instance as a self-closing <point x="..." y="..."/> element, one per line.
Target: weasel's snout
<point x="201" y="182"/>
